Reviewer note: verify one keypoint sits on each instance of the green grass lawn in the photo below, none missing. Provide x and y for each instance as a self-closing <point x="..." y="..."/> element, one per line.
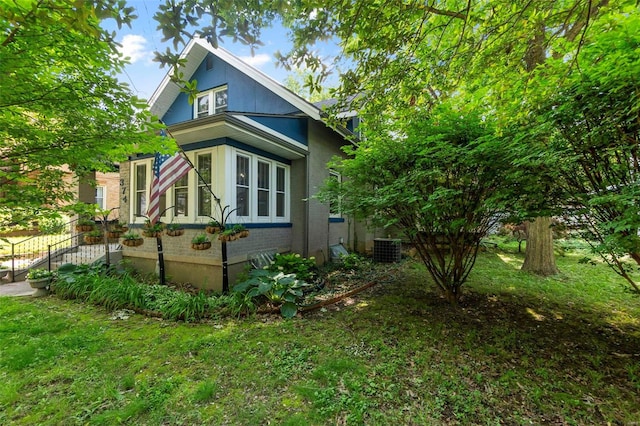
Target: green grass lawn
<point x="518" y="350"/>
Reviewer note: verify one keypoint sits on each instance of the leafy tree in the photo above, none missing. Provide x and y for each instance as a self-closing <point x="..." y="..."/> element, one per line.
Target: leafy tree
<point x="300" y="81"/>
<point x="62" y="111"/>
<point x="593" y="119"/>
<point x="441" y="178"/>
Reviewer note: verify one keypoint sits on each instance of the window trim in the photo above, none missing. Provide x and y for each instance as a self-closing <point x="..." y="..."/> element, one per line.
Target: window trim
<point x="148" y="164"/>
<point x="274" y="165"/>
<point x="212" y="97"/>
<point x="198" y="184"/>
<point x="104" y="196"/>
<point x="219" y="160"/>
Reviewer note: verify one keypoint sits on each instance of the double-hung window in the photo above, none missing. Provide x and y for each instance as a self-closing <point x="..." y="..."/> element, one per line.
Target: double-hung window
<point x="243" y="186"/>
<point x="210" y="102"/>
<point x="100" y="197"/>
<point x="140" y="185"/>
<point x="181" y="196"/>
<point x="261" y="189"/>
<point x="203" y="163"/>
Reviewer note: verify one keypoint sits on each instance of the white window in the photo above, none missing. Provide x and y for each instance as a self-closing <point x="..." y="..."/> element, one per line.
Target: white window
<point x="281" y="191"/>
<point x="243" y="186"/>
<point x="140" y="190"/>
<point x="203" y="164"/>
<point x="181" y="196"/>
<point x="261" y="189"/>
<point x="176" y="203"/>
<point x="257" y="189"/>
<point x="210" y="102"/>
<point x="264" y="192"/>
<point x="101" y="200"/>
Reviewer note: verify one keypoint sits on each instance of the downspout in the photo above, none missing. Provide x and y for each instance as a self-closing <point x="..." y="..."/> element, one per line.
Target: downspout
<point x="307" y="208"/>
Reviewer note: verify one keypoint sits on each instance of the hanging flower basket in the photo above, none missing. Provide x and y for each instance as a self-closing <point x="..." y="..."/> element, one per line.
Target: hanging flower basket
<point x="174" y="229"/>
<point x="84" y="228"/>
<point x="201" y="246"/>
<point x="151" y="234"/>
<point x="114" y="234"/>
<point x="175" y="232"/>
<point x="244" y="233"/>
<point x="212" y="229"/>
<point x="93" y="239"/>
<point x="200" y="242"/>
<point x="131" y="239"/>
<point x="133" y="242"/>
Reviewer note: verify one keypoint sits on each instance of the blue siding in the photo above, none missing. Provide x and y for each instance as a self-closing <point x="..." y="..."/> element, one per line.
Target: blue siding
<point x="295" y="128"/>
<point x="244" y="94"/>
<point x="181" y="110"/>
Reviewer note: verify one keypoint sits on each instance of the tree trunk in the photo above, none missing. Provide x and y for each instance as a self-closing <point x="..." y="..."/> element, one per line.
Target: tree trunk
<point x="539" y="257"/>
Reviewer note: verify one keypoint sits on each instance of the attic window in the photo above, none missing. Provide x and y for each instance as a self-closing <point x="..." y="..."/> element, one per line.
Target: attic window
<point x="210" y="102"/>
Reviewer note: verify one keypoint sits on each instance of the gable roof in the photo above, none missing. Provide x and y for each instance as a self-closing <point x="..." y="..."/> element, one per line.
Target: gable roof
<point x="195" y="52"/>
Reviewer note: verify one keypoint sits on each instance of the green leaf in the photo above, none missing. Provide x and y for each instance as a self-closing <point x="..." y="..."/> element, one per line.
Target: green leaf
<point x="288" y="309"/>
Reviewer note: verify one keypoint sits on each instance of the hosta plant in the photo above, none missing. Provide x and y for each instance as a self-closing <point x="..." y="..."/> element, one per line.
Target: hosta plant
<point x="280" y="289"/>
<point x="292" y="263"/>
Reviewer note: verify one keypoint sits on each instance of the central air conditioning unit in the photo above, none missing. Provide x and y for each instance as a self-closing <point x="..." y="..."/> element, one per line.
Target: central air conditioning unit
<point x="387" y="250"/>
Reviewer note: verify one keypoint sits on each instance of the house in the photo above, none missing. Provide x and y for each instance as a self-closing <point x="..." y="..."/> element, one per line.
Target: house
<point x="263" y="152"/>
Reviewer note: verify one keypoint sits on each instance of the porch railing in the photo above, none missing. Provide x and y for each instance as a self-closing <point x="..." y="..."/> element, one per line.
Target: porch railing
<point x="48" y="252"/>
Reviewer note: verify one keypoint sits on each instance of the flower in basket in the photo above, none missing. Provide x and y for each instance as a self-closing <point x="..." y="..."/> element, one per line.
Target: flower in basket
<point x="152" y="229"/>
<point x="132" y="239"/>
<point x="175" y="229"/>
<point x="240" y="231"/>
<point x="200" y="242"/>
<point x="227" y="235"/>
<point x="213" y="227"/>
<point x="93" y="237"/>
<point x="85" y="224"/>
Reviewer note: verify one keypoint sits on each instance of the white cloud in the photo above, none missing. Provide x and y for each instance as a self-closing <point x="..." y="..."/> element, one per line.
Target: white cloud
<point x="134" y="47"/>
<point x="257" y="60"/>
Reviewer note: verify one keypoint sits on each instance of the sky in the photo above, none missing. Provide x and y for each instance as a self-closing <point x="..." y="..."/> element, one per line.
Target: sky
<point x="140" y="41"/>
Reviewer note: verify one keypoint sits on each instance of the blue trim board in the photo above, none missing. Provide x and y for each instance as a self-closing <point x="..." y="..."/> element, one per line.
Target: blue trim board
<point x="336" y="220"/>
<point x="247" y="225"/>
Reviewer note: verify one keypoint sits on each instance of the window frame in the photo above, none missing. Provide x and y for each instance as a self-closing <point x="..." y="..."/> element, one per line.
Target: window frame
<point x="148" y="164"/>
<point x="211" y="96"/>
<point x="228" y="161"/>
<point x="200" y="185"/>
<point x="274" y="165"/>
<point x="102" y="205"/>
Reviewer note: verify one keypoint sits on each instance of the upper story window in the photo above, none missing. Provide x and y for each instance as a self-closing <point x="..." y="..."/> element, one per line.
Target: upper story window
<point x="210" y="102"/>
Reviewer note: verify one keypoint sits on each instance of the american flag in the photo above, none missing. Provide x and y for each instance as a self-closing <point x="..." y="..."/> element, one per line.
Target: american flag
<point x="167" y="170"/>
